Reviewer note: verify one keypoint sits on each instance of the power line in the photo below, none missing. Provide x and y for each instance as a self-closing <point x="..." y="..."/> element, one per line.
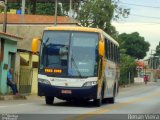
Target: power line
<point x="151" y="17"/>
<point x="139" y="5"/>
<point x="139" y="25"/>
<point x="150" y="23"/>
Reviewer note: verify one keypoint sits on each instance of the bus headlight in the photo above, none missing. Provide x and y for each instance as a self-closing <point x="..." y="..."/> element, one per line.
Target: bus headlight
<point x="91" y="83"/>
<point x="43" y="81"/>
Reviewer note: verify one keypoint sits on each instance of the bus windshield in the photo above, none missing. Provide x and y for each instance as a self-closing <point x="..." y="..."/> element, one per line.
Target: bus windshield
<point x="75" y="53"/>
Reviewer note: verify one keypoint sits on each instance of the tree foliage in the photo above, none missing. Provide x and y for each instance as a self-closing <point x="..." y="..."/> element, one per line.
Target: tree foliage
<point x="96" y="13"/>
<point x="157" y="50"/>
<point x="45" y="8"/>
<point x="134" y="44"/>
<point x="128" y="66"/>
<point x="99" y="13"/>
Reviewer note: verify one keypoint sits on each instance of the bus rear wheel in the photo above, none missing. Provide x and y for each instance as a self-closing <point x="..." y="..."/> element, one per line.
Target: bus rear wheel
<point x="98" y="102"/>
<point x="49" y="100"/>
<point x="112" y="99"/>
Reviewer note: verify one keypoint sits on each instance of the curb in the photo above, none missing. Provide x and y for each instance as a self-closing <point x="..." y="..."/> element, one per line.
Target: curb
<point x="136" y="85"/>
<point x="12" y="97"/>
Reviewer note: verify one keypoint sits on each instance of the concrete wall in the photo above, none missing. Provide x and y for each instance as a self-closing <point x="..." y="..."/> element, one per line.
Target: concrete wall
<point x="152" y="75"/>
<point x="0" y="75"/>
<point x="28" y="32"/>
<point x="9" y="46"/>
<point x="34" y="89"/>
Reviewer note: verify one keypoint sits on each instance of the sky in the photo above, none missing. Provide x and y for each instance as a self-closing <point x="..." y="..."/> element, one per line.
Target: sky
<point x="144" y="18"/>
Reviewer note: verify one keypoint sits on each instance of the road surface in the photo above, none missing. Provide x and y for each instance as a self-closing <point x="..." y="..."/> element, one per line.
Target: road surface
<point x="137" y="99"/>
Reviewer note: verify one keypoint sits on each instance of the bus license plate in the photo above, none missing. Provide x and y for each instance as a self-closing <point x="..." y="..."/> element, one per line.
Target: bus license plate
<point x="66" y="92"/>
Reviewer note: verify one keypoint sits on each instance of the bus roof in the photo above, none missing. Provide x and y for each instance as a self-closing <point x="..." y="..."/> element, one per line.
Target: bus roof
<point x="74" y="28"/>
<point x="84" y="29"/>
<point x="111" y="39"/>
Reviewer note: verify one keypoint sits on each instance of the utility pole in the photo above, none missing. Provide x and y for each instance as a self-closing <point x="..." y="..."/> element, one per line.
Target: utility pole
<point x="70" y="8"/>
<point x="5" y="17"/>
<point x="23" y="10"/>
<point x="152" y="60"/>
<point x="23" y="7"/>
<point x="129" y="78"/>
<point x="55" y="16"/>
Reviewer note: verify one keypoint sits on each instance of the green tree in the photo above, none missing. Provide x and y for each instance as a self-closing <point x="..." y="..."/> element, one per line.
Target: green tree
<point x="75" y="8"/>
<point x="157" y="50"/>
<point x="14" y="5"/>
<point x="99" y="13"/>
<point x="156" y="57"/>
<point x="128" y="66"/>
<point x="34" y="7"/>
<point x="47" y="8"/>
<point x="134" y="45"/>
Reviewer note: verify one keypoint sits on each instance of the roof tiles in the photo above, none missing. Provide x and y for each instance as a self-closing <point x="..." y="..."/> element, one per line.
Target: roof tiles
<point x="36" y="19"/>
<point x="10" y="35"/>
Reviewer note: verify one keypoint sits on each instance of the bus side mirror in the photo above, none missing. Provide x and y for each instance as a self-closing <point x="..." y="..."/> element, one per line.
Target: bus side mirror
<point x="101" y="48"/>
<point x="35" y="45"/>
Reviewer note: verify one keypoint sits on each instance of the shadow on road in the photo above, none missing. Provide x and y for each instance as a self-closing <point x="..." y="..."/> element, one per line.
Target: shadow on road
<point x="82" y="104"/>
<point x="86" y="104"/>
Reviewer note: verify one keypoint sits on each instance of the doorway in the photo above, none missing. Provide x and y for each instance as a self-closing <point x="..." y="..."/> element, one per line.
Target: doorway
<point x="11" y="60"/>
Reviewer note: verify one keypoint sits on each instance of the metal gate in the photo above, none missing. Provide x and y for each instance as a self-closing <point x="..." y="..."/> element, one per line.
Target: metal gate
<point x="25" y="80"/>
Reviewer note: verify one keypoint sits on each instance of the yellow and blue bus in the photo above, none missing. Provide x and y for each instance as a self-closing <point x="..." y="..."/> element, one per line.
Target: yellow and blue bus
<point x="77" y="63"/>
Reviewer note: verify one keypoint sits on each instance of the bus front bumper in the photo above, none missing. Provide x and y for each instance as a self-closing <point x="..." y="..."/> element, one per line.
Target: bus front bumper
<point x="68" y="92"/>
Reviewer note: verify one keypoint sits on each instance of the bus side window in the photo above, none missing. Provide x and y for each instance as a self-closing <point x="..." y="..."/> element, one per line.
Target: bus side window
<point x="108" y="49"/>
<point x="116" y="54"/>
<point x="118" y="50"/>
<point x="111" y="51"/>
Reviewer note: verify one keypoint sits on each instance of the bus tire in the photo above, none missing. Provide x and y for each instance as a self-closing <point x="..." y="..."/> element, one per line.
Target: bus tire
<point x="105" y="100"/>
<point x="112" y="99"/>
<point x="98" y="102"/>
<point x="49" y="100"/>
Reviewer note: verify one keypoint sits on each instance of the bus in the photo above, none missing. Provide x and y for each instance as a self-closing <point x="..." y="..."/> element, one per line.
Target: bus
<point x="77" y="63"/>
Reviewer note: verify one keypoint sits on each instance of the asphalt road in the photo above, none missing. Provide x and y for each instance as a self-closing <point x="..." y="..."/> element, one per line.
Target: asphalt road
<point x="137" y="99"/>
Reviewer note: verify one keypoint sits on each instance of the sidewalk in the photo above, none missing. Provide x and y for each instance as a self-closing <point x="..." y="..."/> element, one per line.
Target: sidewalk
<point x="12" y="97"/>
<point x="34" y="97"/>
<point x="135" y="85"/>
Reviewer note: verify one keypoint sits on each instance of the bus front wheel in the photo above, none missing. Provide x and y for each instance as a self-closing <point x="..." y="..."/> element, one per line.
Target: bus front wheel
<point x="97" y="102"/>
<point x="49" y="100"/>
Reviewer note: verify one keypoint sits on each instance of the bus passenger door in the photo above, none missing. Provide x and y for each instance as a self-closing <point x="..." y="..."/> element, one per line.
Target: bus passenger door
<point x="110" y="77"/>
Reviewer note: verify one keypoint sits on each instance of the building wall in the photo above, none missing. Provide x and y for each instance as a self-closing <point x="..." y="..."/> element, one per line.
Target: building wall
<point x="34" y="89"/>
<point x="28" y="32"/>
<point x="0" y="75"/>
<point x="9" y="46"/>
<point x="25" y="56"/>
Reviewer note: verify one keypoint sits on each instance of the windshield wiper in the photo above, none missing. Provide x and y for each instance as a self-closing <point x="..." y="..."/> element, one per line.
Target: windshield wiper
<point x="77" y="69"/>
